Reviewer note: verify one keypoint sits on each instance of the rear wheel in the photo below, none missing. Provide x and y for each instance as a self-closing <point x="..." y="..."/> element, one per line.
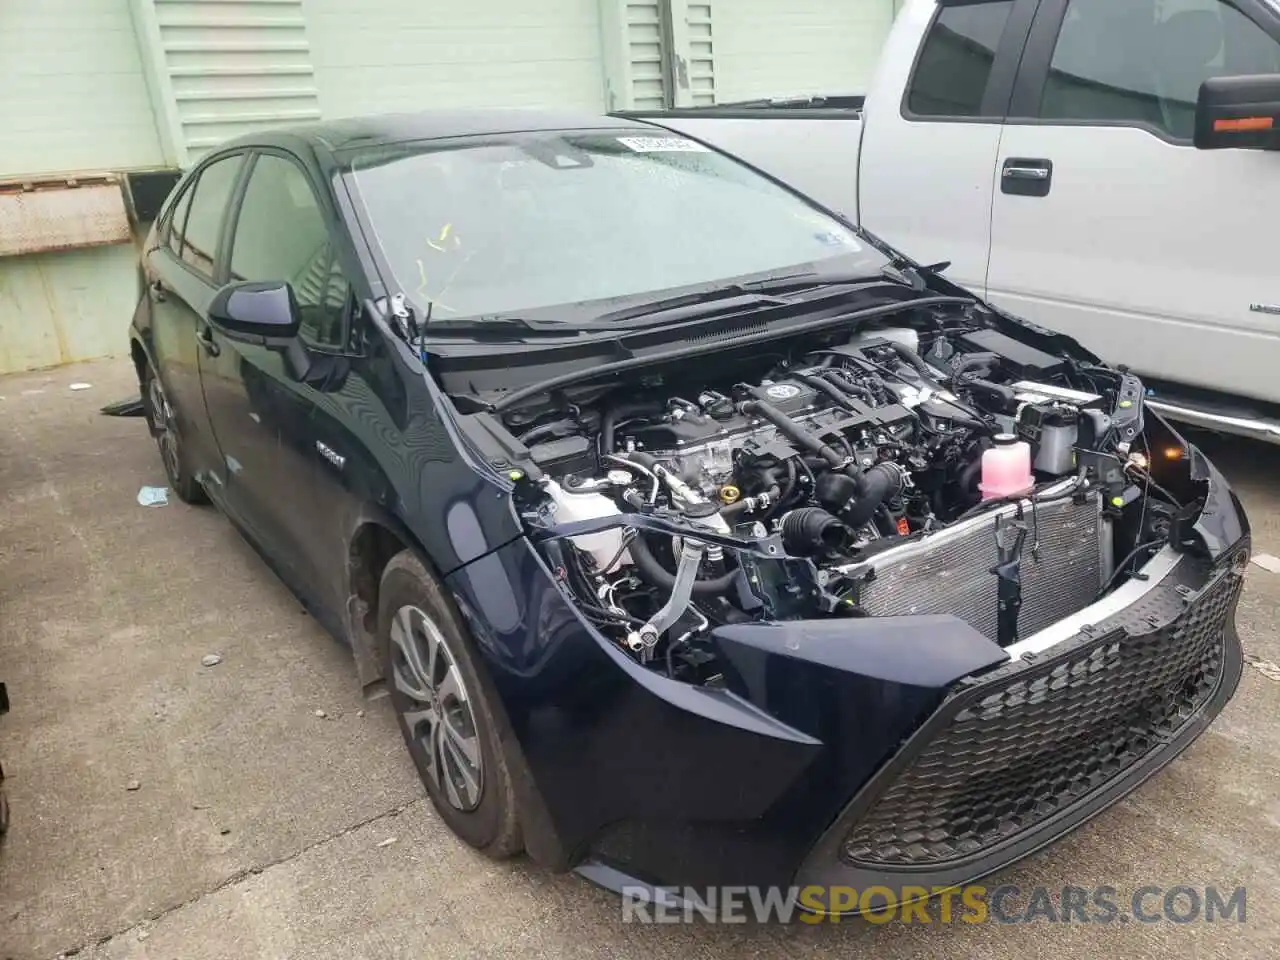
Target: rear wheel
<point x="443" y="705"/>
<point x="164" y="427"/>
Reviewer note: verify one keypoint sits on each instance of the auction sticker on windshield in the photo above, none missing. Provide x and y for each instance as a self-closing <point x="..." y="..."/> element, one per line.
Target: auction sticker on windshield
<point x="662" y="145"/>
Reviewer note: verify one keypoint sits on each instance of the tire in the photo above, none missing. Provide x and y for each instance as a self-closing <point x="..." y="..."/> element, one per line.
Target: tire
<point x="449" y="721"/>
<point x="164" y="427"/>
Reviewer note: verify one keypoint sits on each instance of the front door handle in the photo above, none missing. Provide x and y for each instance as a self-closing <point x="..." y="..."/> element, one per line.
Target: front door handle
<point x="1026" y="178"/>
<point x="205" y="336"/>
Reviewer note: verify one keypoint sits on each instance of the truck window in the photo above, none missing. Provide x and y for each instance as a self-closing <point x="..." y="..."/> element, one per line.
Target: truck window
<point x="1141" y="62"/>
<point x="955" y="62"/>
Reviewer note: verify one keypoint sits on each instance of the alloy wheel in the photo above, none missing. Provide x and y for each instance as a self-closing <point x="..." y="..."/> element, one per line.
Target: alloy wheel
<point x="166" y="430"/>
<point x="435" y="707"/>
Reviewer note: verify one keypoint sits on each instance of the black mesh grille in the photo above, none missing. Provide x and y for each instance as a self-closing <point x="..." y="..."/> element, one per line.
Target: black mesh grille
<point x="1025" y="747"/>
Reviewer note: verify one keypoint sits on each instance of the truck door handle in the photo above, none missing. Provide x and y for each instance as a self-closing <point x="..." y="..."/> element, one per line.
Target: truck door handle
<point x="157" y="289"/>
<point x="1026" y="178"/>
<point x="205" y="336"/>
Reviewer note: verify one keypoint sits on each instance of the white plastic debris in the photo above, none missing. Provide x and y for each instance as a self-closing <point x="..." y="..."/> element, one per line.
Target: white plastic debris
<point x="321" y="714"/>
<point x="210" y="660"/>
<point x="153" y="496"/>
<point x="1267" y="668"/>
<point x="133" y="785"/>
<point x="1267" y="562"/>
<point x="387" y="842"/>
<point x="82" y="386"/>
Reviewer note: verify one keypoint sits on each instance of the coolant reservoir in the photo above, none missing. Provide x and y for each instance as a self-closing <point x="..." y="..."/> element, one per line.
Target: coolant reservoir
<point x="1006" y="468"/>
<point x="604" y="546"/>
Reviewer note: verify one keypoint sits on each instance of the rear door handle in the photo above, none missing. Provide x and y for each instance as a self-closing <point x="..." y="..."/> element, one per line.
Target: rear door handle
<point x="1026" y="178"/>
<point x="205" y="336"/>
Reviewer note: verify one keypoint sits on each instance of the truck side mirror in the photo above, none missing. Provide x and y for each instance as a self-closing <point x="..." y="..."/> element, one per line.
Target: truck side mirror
<point x="1239" y="112"/>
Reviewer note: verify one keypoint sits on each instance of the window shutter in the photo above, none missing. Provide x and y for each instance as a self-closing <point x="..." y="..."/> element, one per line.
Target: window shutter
<point x="221" y="68"/>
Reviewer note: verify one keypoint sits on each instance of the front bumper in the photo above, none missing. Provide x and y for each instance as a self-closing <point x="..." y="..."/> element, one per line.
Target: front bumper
<point x="1016" y="758"/>
<point x="894" y="752"/>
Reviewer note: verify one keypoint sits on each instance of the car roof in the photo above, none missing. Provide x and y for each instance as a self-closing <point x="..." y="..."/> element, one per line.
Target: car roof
<point x="337" y="136"/>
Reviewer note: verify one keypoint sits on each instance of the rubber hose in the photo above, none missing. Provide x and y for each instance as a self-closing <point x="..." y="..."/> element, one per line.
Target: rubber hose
<point x="969" y="475"/>
<point x="972" y="361"/>
<point x="915" y="360"/>
<point x="609" y="423"/>
<point x="848" y="386"/>
<point x="788" y="488"/>
<point x="654" y="573"/>
<point x="796" y="433"/>
<point x="881" y="482"/>
<point x="548" y="429"/>
<point x="830" y="389"/>
<point x="812" y="531"/>
<point x="997" y="391"/>
<point x="646" y="460"/>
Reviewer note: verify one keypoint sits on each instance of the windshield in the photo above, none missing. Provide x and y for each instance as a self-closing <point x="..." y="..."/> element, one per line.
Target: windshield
<point x="522" y="222"/>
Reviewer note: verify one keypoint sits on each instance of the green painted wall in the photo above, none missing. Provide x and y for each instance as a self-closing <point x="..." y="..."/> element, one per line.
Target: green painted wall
<point x="61" y="307"/>
<point x="412" y="54"/>
<point x="74" y="97"/>
<point x="105" y="85"/>
<point x="74" y="100"/>
<point x="781" y="47"/>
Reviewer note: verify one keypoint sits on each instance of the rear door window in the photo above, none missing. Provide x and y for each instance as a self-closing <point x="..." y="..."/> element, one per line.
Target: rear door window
<point x="208" y="212"/>
<point x="177" y="222"/>
<point x="955" y="63"/>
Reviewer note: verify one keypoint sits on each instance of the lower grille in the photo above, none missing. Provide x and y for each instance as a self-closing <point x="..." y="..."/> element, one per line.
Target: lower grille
<point x="1018" y="749"/>
<point x="950" y="573"/>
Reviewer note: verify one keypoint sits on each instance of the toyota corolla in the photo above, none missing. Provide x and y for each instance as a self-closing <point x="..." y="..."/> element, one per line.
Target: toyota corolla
<point x="696" y="535"/>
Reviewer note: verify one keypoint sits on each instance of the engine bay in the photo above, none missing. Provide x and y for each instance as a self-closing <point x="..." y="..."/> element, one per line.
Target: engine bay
<point x="941" y="466"/>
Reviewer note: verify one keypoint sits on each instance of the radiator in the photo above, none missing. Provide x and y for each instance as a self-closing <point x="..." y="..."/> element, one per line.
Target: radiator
<point x="950" y="572"/>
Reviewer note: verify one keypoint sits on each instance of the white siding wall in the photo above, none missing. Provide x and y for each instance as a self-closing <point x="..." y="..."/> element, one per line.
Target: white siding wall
<point x="227" y="67"/>
<point x="645" y="85"/>
<point x="380" y="56"/>
<point x="779" y="47"/>
<point x="73" y="95"/>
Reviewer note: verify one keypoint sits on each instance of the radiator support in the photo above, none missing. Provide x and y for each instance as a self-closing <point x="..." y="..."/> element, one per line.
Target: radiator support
<point x="1066" y="559"/>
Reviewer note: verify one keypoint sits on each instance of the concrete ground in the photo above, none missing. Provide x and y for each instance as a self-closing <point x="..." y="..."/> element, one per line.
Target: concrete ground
<point x="259" y="829"/>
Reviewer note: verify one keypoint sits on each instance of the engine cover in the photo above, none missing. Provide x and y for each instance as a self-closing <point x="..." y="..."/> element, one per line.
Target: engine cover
<point x="683" y="428"/>
<point x="700" y="440"/>
<point x="700" y="445"/>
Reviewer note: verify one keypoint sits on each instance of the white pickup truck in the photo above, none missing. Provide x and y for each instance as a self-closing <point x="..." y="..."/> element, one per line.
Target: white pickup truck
<point x="1105" y="168"/>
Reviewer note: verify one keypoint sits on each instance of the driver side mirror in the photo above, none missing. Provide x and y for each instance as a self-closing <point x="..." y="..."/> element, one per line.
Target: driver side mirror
<point x="265" y="314"/>
<point x="1239" y="112"/>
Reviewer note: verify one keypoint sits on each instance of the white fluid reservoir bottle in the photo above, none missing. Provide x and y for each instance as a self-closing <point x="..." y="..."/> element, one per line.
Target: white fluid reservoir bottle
<point x="571" y="507"/>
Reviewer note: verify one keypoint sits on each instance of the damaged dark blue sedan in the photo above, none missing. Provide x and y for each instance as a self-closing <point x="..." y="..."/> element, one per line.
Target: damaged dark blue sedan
<point x="697" y="536"/>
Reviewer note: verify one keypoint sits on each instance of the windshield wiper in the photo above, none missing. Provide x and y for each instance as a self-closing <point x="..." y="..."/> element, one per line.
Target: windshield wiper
<point x="516" y="329"/>
<point x="486" y="328"/>
<point x="701" y="305"/>
<point x="755" y="293"/>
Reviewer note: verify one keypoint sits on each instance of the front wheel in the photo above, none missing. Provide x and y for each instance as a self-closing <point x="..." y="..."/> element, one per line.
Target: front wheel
<point x="164" y="427"/>
<point x="444" y="708"/>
